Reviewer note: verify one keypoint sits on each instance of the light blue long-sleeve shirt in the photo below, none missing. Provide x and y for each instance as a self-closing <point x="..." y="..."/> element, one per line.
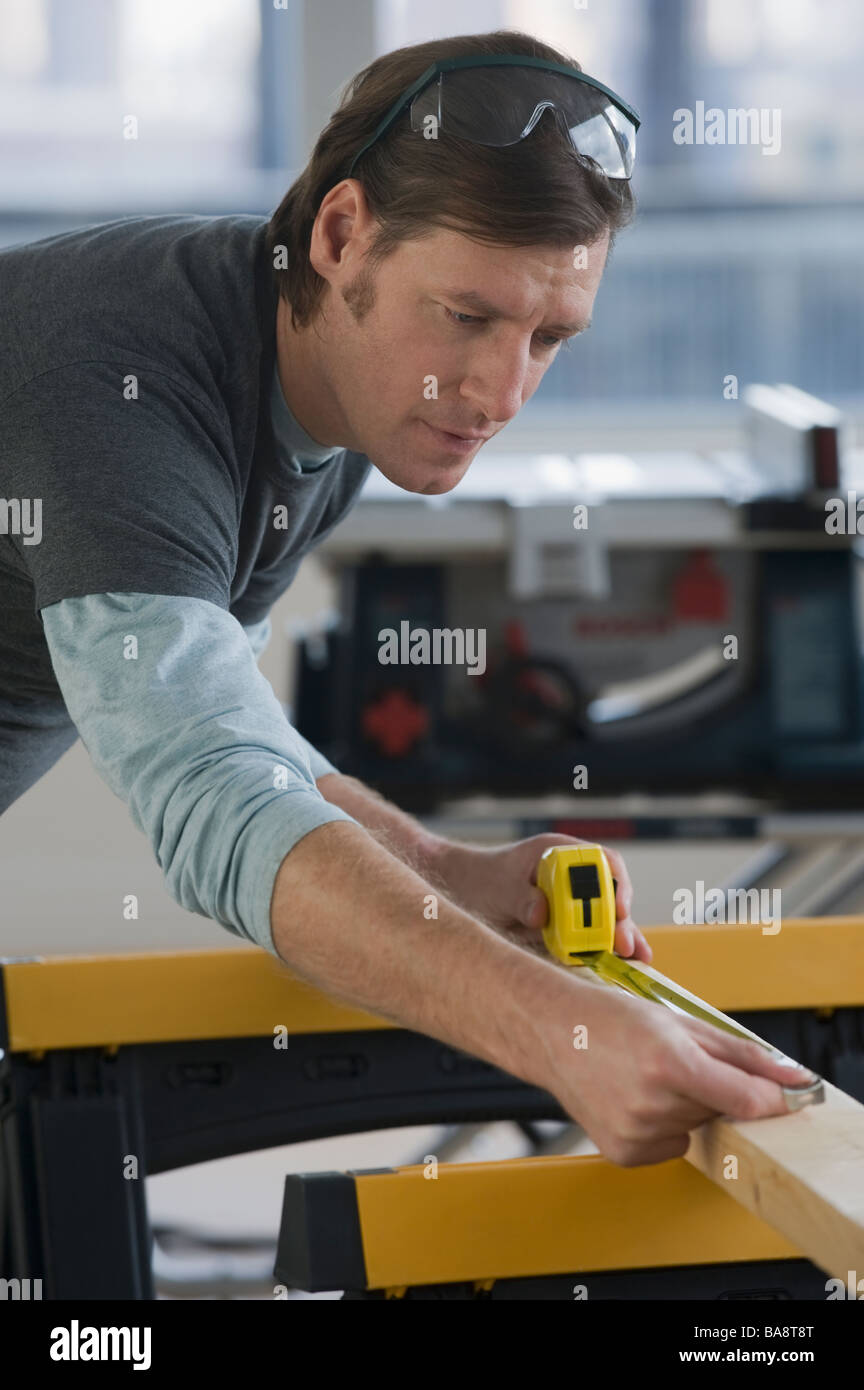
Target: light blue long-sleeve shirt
<point x="180" y="723"/>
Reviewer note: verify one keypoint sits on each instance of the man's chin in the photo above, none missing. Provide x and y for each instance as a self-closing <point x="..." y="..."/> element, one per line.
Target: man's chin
<point x="446" y="482"/>
<point x="423" y="479"/>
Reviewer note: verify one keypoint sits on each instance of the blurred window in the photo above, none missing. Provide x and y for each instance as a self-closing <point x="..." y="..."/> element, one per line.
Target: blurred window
<point x="743" y="263"/>
<point x="143" y="89"/>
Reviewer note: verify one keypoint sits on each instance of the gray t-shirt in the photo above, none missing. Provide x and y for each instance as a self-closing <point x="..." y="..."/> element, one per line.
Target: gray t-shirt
<point x="136" y="388"/>
<point x="140" y="405"/>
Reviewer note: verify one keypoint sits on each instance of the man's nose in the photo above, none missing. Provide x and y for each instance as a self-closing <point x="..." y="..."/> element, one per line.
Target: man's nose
<point x="497" y="386"/>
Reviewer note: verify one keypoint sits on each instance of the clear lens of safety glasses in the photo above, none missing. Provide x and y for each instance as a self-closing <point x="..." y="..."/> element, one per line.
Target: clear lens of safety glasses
<point x="499" y="106"/>
<point x="609" y="138"/>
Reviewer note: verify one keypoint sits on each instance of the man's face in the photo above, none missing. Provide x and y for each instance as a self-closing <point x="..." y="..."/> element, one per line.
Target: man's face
<point x="413" y="348"/>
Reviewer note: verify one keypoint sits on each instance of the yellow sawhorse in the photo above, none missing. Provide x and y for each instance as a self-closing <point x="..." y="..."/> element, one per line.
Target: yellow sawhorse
<point x="115" y="1067"/>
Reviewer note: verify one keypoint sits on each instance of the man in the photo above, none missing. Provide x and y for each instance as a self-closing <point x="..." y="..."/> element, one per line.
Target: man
<point x="195" y="402"/>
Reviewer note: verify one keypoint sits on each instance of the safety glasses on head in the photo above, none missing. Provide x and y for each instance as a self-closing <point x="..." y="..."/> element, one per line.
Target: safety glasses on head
<point x="498" y="100"/>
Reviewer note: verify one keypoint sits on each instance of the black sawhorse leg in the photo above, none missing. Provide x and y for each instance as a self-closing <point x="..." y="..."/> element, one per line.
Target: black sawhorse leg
<point x="72" y="1168"/>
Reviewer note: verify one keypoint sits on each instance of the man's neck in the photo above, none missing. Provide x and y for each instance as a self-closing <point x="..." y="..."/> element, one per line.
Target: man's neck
<point x="304" y="382"/>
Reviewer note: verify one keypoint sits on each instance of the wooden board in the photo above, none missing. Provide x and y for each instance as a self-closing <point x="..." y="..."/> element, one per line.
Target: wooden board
<point x="803" y="1173"/>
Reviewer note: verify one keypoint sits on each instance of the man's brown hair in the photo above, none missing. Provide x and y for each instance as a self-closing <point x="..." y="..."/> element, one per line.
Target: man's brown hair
<point x="536" y="192"/>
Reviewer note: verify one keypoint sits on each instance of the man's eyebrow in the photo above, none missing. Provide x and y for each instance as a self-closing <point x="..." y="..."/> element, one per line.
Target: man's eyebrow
<point x="474" y="300"/>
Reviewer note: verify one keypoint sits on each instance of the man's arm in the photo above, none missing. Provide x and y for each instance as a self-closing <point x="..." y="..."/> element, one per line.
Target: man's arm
<point x="401" y="834"/>
<point x="182" y="725"/>
<point x="496" y="884"/>
<point x="355" y="921"/>
<point x="362" y="925"/>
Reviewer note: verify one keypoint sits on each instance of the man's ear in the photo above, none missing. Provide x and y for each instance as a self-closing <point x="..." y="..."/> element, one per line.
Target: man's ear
<point x="343" y="214"/>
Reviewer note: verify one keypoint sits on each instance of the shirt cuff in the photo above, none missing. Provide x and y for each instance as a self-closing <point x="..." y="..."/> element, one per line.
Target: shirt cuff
<point x="270" y="838"/>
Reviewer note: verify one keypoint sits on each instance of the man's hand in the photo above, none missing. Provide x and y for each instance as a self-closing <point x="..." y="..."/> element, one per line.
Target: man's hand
<point x="499" y="885"/>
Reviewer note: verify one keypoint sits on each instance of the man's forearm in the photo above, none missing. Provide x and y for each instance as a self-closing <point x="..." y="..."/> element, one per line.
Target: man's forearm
<point x="399" y="833"/>
<point x="451" y="869"/>
<point x="355" y="921"/>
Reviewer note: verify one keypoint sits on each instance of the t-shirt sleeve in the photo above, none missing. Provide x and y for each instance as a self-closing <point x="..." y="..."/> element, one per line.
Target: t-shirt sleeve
<point x="135" y="477"/>
<point x="181" y="724"/>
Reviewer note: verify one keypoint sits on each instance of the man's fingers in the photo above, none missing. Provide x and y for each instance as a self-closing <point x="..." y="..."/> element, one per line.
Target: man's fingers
<point x="641" y="949"/>
<point x="630" y="942"/>
<point x="644" y="1152"/>
<point x="624" y="893"/>
<point x="748" y="1056"/>
<point x="625" y="937"/>
<point x="739" y="1078"/>
<point x="534" y="911"/>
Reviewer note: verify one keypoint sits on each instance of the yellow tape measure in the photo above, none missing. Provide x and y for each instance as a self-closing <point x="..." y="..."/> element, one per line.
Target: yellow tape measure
<point x="580" y="890"/>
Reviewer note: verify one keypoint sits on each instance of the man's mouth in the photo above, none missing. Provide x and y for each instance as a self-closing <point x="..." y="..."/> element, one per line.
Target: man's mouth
<point x="461" y="441"/>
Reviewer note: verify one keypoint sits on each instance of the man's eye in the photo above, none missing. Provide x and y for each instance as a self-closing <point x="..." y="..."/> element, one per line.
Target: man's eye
<point x="462" y="318"/>
<point x="468" y="320"/>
